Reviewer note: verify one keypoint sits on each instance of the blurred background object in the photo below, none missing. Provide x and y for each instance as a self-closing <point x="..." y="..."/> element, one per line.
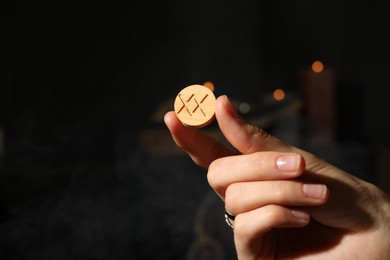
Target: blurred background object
<point x="88" y="169"/>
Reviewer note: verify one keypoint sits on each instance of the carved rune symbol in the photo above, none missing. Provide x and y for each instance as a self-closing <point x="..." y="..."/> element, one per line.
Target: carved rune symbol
<point x="188" y="106"/>
<point x="195" y="106"/>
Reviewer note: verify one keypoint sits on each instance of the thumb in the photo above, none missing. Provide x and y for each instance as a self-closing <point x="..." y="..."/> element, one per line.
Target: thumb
<point x="246" y="138"/>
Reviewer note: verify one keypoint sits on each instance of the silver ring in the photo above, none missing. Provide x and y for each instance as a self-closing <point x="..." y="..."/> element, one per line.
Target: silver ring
<point x="229" y="218"/>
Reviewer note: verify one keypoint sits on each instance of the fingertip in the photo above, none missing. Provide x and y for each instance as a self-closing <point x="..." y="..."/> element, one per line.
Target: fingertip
<point x="172" y="122"/>
<point x="222" y="98"/>
<point x="290" y="162"/>
<point x="302" y="164"/>
<point x="224" y="104"/>
<point x="169" y="117"/>
<point x="220" y="104"/>
<point x="300" y="217"/>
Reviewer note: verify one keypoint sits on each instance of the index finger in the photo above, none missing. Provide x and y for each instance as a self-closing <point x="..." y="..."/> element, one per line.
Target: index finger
<point x="202" y="148"/>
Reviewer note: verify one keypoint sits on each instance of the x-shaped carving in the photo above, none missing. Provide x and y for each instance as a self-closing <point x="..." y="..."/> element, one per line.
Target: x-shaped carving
<point x="186" y="107"/>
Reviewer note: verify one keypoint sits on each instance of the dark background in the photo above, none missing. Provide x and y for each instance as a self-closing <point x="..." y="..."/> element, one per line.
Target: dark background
<point x="81" y="82"/>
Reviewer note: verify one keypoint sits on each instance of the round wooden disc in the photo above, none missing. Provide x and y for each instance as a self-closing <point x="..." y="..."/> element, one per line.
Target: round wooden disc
<point x="195" y="106"/>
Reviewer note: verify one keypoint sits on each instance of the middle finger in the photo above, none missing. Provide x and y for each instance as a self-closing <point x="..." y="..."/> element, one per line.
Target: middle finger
<point x="259" y="166"/>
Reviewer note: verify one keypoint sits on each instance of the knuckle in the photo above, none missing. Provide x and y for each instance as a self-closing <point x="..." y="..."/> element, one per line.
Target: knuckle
<point x="274" y="213"/>
<point x="213" y="177"/>
<point x="281" y="191"/>
<point x="233" y="198"/>
<point x="242" y="229"/>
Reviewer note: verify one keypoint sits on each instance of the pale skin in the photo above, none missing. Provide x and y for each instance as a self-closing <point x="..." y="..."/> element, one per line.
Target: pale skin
<point x="288" y="203"/>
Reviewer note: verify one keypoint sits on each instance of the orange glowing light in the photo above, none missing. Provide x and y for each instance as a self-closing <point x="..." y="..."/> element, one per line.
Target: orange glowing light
<point x="279" y="94"/>
<point x="317" y="66"/>
<point x="209" y="85"/>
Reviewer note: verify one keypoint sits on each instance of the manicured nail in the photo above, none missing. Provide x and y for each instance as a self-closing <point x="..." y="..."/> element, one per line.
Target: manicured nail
<point x="288" y="163"/>
<point x="315" y="191"/>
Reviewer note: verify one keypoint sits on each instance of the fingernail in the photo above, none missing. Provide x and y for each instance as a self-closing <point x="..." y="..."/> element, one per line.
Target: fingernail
<point x="315" y="191"/>
<point x="229" y="107"/>
<point x="288" y="163"/>
<point x="299" y="214"/>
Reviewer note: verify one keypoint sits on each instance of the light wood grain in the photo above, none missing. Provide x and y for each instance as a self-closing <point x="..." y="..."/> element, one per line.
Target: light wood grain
<point x="195" y="106"/>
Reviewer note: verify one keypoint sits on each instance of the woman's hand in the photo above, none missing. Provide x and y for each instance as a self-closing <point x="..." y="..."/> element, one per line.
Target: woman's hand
<point x="287" y="202"/>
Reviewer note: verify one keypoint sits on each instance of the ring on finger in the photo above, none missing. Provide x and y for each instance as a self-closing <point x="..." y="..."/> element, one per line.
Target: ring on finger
<point x="229" y="218"/>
